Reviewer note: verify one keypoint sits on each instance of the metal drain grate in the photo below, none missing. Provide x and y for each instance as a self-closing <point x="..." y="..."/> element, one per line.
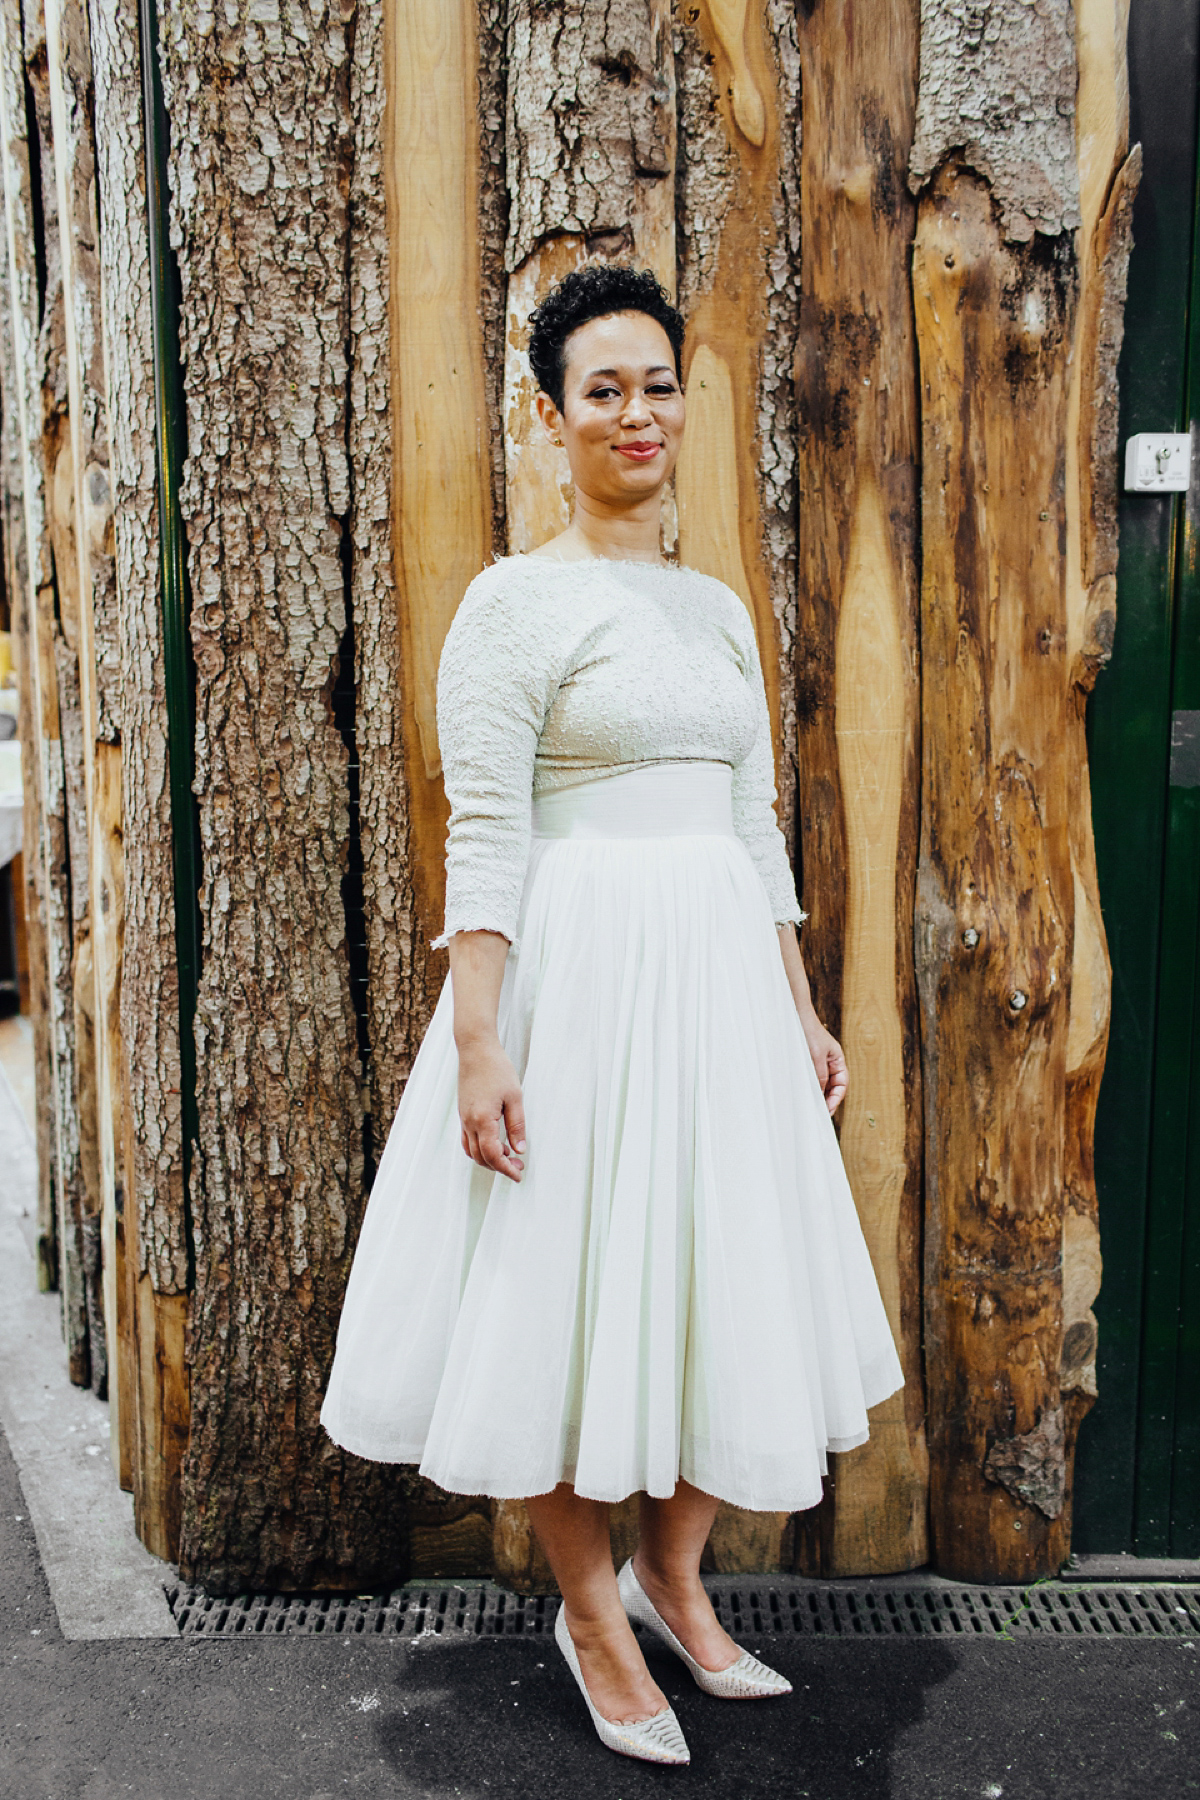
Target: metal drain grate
<point x="747" y="1610"/>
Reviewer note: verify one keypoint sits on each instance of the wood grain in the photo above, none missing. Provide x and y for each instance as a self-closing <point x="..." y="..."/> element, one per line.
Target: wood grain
<point x="856" y="675"/>
<point x="995" y="886"/>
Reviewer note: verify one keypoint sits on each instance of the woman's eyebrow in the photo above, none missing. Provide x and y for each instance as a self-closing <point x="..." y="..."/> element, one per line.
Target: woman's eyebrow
<point x="654" y="369"/>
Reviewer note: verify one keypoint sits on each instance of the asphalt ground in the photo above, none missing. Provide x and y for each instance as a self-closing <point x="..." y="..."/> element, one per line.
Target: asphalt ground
<point x="311" y="1719"/>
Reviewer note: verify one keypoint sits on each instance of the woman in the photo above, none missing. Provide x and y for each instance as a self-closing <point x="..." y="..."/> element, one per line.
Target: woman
<point x="611" y="1248"/>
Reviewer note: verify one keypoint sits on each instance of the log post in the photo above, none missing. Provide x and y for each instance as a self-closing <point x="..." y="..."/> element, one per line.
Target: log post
<point x="262" y="155"/>
<point x="995" y="281"/>
<point x="97" y="966"/>
<point x="36" y="303"/>
<point x="856" y="679"/>
<point x="33" y="856"/>
<point x="152" y="1236"/>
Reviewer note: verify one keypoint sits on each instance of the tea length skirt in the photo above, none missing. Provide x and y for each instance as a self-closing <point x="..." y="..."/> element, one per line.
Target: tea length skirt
<point x="679" y="1285"/>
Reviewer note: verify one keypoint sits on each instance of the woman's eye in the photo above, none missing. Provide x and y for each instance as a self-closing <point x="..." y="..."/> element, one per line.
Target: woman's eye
<point x="605" y="393"/>
<point x="662" y="388"/>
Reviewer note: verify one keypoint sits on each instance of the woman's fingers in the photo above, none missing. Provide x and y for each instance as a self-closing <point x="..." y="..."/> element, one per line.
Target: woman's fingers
<point x="486" y="1145"/>
<point x="837" y="1079"/>
<point x="514" y="1119"/>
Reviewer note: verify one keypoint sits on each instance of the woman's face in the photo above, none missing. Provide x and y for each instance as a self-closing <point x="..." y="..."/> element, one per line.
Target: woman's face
<point x="622" y="413"/>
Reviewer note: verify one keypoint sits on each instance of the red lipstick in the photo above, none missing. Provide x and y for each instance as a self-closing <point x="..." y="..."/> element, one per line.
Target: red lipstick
<point x="642" y="451"/>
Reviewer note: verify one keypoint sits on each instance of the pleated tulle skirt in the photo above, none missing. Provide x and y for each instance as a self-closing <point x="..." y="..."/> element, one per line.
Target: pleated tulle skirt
<point x="679" y="1286"/>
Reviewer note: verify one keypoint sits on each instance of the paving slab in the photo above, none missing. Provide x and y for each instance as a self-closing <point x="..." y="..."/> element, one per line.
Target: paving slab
<point x="104" y="1581"/>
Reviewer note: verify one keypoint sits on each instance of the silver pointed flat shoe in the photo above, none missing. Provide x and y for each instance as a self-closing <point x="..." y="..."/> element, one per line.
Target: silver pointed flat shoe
<point x="746" y="1679"/>
<point x="657" y="1739"/>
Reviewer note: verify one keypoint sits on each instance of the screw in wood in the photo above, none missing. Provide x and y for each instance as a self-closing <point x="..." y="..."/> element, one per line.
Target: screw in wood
<point x="970" y="937"/>
<point x="1017" y="1000"/>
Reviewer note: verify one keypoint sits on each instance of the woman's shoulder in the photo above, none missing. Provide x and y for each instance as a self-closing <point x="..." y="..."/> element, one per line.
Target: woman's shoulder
<point x="504" y="592"/>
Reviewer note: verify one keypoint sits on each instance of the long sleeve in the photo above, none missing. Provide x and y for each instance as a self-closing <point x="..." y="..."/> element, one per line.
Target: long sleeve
<point x="754" y="797"/>
<point x="496" y="680"/>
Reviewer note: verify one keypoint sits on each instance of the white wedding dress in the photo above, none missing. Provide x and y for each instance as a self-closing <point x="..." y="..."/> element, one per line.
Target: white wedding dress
<point x="679" y="1286"/>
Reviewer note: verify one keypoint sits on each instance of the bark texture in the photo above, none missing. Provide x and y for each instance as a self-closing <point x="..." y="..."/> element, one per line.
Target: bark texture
<point x="856" y="678"/>
<point x="97" y="974"/>
<point x="39" y="402"/>
<point x="589" y="117"/>
<point x="262" y="160"/>
<point x="33" y="858"/>
<point x="589" y="174"/>
<point x="152" y="1236"/>
<point x="997" y="85"/>
<point x="149" y="987"/>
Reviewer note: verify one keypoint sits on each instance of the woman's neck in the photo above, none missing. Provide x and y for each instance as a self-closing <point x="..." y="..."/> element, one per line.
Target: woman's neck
<point x="631" y="535"/>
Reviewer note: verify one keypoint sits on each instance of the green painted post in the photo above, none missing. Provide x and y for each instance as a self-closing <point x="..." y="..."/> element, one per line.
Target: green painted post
<point x="1129" y="747"/>
<point x="171" y="437"/>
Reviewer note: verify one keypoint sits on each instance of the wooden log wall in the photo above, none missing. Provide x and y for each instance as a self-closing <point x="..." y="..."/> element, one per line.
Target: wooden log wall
<point x="899" y="235"/>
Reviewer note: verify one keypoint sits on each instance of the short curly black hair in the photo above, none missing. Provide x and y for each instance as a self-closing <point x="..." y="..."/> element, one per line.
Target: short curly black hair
<point x="592" y="293"/>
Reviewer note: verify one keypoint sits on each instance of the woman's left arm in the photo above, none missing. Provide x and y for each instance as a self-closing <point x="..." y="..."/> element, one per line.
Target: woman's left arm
<point x="757" y="824"/>
<point x="828" y="1058"/>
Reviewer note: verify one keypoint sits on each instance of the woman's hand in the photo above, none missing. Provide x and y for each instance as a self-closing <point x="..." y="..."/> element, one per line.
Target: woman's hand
<point x="828" y="1058"/>
<point x="491" y="1108"/>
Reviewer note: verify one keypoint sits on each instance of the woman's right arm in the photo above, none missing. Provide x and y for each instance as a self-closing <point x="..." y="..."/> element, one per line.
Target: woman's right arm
<point x="489" y="1094"/>
<point x="496" y="679"/>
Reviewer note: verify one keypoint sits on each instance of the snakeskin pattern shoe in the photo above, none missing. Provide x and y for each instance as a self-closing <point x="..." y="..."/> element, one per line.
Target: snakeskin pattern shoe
<point x="657" y="1739"/>
<point x="746" y="1679"/>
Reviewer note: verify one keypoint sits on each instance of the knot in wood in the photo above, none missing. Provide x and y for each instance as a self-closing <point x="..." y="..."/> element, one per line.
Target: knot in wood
<point x="970" y="937"/>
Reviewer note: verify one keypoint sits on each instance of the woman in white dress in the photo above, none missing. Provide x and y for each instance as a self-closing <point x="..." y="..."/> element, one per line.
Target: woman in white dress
<point x="611" y="1248"/>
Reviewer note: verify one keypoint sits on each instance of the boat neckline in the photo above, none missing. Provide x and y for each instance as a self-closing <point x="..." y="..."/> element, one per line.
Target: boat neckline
<point x="616" y="562"/>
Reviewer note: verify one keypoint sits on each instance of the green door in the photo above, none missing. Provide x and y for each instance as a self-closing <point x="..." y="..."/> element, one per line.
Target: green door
<point x="1138" y="1467"/>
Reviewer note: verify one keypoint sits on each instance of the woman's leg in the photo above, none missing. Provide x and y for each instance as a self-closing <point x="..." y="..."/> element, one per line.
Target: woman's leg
<point x="667" y="1563"/>
<point x="574" y="1535"/>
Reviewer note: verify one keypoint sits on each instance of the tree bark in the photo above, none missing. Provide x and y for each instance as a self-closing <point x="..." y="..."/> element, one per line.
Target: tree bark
<point x="261" y="169"/>
<point x="36" y="300"/>
<point x="857" y="686"/>
<point x="69" y="72"/>
<point x="995" y="308"/>
<point x="590" y="154"/>
<point x="33" y="857"/>
<point x="152" y="1234"/>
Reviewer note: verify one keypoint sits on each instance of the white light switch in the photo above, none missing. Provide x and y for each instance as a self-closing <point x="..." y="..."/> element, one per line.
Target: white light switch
<point x="1158" y="462"/>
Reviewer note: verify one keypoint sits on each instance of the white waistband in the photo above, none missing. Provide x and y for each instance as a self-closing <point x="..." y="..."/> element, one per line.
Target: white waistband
<point x="668" y="799"/>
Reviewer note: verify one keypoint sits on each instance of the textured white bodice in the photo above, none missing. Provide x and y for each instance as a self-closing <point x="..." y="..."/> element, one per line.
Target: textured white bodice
<point x="555" y="673"/>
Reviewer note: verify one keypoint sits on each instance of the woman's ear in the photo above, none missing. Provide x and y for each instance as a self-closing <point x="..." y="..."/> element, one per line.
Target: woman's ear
<point x="551" y="418"/>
